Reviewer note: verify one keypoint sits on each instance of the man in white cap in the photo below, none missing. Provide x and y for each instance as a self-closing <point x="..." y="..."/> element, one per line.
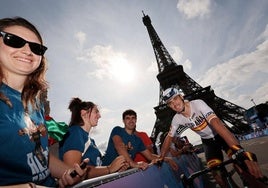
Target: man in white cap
<point x="199" y="117"/>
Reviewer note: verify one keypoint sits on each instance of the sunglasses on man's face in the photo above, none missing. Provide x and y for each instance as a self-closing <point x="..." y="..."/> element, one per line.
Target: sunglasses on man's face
<point x="15" y="41"/>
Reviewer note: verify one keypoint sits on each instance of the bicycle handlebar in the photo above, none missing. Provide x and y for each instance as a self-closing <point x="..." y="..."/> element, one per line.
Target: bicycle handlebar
<point x="234" y="159"/>
<point x="188" y="180"/>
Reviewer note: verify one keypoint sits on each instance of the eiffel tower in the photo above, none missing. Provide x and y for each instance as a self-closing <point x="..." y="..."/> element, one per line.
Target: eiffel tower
<point x="172" y="75"/>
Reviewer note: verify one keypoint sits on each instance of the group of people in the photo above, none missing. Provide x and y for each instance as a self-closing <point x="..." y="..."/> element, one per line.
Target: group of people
<point x="25" y="158"/>
<point x="127" y="148"/>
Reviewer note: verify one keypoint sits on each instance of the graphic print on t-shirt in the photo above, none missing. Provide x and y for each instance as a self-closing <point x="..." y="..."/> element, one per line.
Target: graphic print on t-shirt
<point x="37" y="160"/>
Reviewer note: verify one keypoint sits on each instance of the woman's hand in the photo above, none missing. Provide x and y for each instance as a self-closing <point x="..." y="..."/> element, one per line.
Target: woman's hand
<point x="80" y="174"/>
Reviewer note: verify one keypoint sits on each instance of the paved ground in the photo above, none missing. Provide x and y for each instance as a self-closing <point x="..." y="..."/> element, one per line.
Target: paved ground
<point x="258" y="146"/>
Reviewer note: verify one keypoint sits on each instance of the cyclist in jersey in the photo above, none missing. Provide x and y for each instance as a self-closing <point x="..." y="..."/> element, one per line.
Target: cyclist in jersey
<point x="199" y="117"/>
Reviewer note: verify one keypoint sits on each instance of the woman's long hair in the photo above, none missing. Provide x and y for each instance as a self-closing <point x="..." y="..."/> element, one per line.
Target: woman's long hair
<point x="35" y="84"/>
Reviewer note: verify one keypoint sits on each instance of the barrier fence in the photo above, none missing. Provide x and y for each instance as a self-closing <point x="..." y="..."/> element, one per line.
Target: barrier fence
<point x="154" y="176"/>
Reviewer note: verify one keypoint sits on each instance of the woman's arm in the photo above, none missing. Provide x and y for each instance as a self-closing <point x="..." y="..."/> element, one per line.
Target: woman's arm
<point x="57" y="167"/>
<point x="62" y="171"/>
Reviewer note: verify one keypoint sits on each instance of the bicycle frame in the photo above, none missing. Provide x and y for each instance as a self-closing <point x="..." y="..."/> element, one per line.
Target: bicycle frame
<point x="247" y="179"/>
<point x="188" y="181"/>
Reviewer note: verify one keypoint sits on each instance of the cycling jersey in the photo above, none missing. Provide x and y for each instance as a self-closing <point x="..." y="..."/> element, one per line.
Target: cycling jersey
<point x="198" y="121"/>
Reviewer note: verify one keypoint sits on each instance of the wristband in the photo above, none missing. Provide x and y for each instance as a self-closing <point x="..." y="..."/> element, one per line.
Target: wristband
<point x="235" y="148"/>
<point x="243" y="155"/>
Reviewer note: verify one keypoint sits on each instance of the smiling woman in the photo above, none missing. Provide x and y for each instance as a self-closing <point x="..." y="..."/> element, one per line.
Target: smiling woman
<point x="122" y="71"/>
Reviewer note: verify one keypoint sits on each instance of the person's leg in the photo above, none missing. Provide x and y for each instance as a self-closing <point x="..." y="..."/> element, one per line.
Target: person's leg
<point x="214" y="157"/>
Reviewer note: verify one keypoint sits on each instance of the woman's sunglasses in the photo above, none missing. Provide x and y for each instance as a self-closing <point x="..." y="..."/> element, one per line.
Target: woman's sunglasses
<point x="15" y="41"/>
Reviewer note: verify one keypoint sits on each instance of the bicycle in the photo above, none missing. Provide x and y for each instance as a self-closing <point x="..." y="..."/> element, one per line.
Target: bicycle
<point x="248" y="180"/>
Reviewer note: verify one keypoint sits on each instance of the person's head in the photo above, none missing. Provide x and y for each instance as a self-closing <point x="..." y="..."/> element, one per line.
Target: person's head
<point x="83" y="112"/>
<point x="129" y="119"/>
<point x="174" y="99"/>
<point x="179" y="143"/>
<point x="21" y="53"/>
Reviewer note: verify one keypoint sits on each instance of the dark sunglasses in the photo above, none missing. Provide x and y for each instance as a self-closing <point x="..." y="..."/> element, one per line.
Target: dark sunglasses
<point x="15" y="41"/>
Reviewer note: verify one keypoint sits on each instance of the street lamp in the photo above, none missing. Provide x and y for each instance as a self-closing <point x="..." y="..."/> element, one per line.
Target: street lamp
<point x="253" y="102"/>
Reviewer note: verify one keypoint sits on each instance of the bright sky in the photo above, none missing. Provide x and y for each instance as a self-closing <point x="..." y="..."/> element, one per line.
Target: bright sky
<point x="100" y="51"/>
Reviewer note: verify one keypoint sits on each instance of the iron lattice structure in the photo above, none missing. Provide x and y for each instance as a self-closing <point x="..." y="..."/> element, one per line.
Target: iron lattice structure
<point x="172" y="75"/>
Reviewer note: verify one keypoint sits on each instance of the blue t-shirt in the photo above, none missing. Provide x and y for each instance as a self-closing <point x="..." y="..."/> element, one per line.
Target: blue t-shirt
<point x="132" y="142"/>
<point x="23" y="143"/>
<point x="75" y="139"/>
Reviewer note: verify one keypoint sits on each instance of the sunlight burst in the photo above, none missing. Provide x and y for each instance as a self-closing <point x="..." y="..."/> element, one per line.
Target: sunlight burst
<point x="122" y="70"/>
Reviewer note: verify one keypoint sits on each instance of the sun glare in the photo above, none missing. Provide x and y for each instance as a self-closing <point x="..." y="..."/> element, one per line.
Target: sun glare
<point x="122" y="70"/>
